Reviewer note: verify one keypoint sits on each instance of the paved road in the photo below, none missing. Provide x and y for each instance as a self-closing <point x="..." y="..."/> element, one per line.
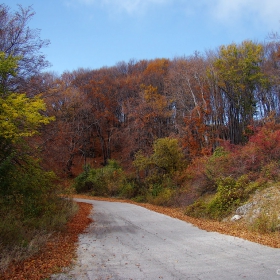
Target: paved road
<point x="130" y="242"/>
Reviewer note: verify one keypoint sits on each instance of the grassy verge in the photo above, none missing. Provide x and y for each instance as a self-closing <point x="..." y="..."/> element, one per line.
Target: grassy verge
<point x="58" y="251"/>
<point x="22" y="237"/>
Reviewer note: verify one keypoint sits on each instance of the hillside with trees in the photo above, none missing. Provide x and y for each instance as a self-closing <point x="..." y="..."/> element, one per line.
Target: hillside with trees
<point x="200" y="132"/>
<point x="170" y="132"/>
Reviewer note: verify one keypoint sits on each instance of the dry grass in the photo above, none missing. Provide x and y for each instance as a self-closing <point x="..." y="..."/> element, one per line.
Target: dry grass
<point x="19" y="253"/>
<point x="57" y="253"/>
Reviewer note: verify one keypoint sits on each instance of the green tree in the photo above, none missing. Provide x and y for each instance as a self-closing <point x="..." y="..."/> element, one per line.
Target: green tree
<point x="157" y="173"/>
<point x="238" y="74"/>
<point x="168" y="156"/>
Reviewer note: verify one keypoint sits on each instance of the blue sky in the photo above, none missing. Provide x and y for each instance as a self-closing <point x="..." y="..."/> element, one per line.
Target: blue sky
<point x="96" y="33"/>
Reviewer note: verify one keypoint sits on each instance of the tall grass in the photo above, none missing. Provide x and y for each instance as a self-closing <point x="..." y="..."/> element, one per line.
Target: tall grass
<point x="30" y="209"/>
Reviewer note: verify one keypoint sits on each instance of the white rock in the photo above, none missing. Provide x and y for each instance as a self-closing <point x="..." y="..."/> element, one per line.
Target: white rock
<point x="243" y="209"/>
<point x="236" y="218"/>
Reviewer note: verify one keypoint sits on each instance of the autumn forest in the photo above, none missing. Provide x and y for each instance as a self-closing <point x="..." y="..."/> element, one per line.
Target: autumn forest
<point x="165" y="131"/>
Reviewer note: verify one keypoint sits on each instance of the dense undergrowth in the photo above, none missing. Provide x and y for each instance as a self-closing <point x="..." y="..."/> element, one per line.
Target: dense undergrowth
<point x="31" y="210"/>
<point x="212" y="186"/>
<point x="155" y="180"/>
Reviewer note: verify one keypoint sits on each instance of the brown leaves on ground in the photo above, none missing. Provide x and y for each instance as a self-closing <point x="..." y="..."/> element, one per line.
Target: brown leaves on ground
<point x="58" y="252"/>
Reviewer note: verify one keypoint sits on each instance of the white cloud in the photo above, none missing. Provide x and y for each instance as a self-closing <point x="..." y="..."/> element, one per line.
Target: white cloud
<point x="128" y="6"/>
<point x="260" y="11"/>
<point x="227" y="12"/>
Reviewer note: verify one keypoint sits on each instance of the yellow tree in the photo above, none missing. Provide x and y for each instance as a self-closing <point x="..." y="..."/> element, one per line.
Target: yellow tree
<point x="20" y="117"/>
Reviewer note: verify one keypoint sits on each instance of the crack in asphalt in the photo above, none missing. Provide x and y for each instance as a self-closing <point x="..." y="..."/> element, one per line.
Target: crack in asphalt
<point x="126" y="241"/>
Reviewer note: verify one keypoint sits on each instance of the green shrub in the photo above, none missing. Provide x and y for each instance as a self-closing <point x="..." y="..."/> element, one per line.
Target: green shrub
<point x="162" y="197"/>
<point x="218" y="164"/>
<point x="104" y="181"/>
<point x="82" y="182"/>
<point x="139" y="198"/>
<point x="259" y="184"/>
<point x="266" y="223"/>
<point x="230" y="194"/>
<point x="30" y="203"/>
<point x="198" y="209"/>
<point x="167" y="156"/>
<point x="271" y="171"/>
<point x="128" y="190"/>
<point x="166" y="160"/>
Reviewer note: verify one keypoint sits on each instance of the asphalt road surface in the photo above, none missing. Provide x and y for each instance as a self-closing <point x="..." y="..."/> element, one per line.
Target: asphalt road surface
<point x="130" y="242"/>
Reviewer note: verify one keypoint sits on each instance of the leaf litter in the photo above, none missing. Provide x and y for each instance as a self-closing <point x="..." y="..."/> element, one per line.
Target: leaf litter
<point x="58" y="253"/>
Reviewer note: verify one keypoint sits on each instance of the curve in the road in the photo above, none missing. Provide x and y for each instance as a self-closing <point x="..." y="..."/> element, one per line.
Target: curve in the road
<point x="130" y="242"/>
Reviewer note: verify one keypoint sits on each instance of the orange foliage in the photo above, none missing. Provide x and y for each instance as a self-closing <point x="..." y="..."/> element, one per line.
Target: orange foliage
<point x="197" y="139"/>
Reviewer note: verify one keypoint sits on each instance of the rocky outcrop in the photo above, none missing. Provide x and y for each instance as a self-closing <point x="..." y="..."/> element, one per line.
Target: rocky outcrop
<point x="263" y="202"/>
